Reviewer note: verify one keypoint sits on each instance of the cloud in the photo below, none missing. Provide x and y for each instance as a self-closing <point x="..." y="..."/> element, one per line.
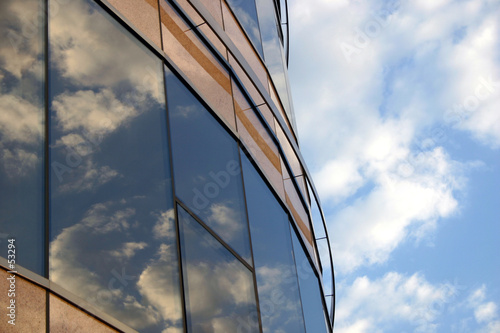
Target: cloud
<point x="79" y="32"/>
<point x="95" y="114"/>
<point x="375" y="123"/>
<point x="86" y="176"/>
<point x="148" y="299"/>
<point x="379" y="305"/>
<point x="485" y="312"/>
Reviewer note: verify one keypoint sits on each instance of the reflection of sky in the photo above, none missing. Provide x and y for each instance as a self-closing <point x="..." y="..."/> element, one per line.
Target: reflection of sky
<point x="21" y="128"/>
<point x="310" y="294"/>
<point x="272" y="249"/>
<point x="246" y="13"/>
<point x="273" y="53"/>
<point x="219" y="289"/>
<point x="205" y="160"/>
<point x="112" y="237"/>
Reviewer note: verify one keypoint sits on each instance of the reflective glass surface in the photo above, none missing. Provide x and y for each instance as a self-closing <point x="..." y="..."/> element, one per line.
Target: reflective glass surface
<point x="22" y="131"/>
<point x="206" y="167"/>
<point x="277" y="284"/>
<point x="310" y="291"/>
<point x="113" y="236"/>
<point x="274" y="54"/>
<point x="246" y="13"/>
<point x="219" y="289"/>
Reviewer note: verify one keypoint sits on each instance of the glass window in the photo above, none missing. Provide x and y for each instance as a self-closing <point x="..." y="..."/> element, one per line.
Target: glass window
<point x="246" y="13"/>
<point x="206" y="167"/>
<point x="113" y="236"/>
<point x="219" y="289"/>
<point x="310" y="292"/>
<point x="22" y="131"/>
<point x="277" y="284"/>
<point x="274" y="54"/>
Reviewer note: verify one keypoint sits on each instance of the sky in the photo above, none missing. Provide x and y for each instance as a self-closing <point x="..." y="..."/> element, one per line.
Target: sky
<point x="398" y="113"/>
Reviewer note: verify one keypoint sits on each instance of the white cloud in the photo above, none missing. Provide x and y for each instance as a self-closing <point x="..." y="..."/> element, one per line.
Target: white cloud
<point x="373" y="125"/>
<point x="378" y="305"/>
<point x="485" y="312"/>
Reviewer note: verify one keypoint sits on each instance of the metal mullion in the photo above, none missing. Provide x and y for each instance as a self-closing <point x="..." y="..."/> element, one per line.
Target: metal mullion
<point x="211" y="232"/>
<point x="172" y="182"/>
<point x="254" y="274"/>
<point x="46" y="161"/>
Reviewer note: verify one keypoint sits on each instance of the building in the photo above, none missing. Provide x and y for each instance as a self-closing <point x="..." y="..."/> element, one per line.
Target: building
<point x="150" y="177"/>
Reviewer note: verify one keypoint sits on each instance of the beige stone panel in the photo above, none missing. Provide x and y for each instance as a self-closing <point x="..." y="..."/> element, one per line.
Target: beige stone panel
<point x="29" y="302"/>
<point x="245" y="80"/>
<point x="212" y="37"/>
<point x="143" y="14"/>
<point x="189" y="10"/>
<point x="197" y="63"/>
<point x="64" y="317"/>
<point x="258" y="141"/>
<point x="214" y="7"/>
<point x="268" y="115"/>
<point x="290" y="155"/>
<point x="239" y="39"/>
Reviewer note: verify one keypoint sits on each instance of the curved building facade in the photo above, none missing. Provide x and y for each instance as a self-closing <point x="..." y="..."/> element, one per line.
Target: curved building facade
<point x="150" y="176"/>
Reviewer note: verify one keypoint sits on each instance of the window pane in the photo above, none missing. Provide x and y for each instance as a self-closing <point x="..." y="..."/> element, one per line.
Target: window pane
<point x="219" y="289"/>
<point x="314" y="314"/>
<point x="207" y="167"/>
<point x="246" y="13"/>
<point x="279" y="299"/>
<point x="113" y="236"/>
<point x="22" y="130"/>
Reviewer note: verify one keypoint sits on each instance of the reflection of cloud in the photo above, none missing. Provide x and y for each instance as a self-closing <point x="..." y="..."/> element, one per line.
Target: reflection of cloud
<point x="164" y="227"/>
<point x="278" y="293"/>
<point x="215" y="286"/>
<point x="19" y="120"/>
<point x="87" y="176"/>
<point x="128" y="250"/>
<point x="227" y="221"/>
<point x="93" y="51"/>
<point x="157" y="284"/>
<point x="95" y="113"/>
<point x="18" y="162"/>
<point x="148" y="299"/>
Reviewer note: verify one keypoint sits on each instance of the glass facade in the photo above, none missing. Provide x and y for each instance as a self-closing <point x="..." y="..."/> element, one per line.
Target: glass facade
<point x="148" y="174"/>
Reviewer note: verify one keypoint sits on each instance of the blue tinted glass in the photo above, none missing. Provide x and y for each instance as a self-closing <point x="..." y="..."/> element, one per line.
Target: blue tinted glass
<point x="310" y="292"/>
<point x="22" y="131"/>
<point x="113" y="236"/>
<point x="246" y="13"/>
<point x="206" y="167"/>
<point x="274" y="54"/>
<point x="219" y="289"/>
<point x="279" y="298"/>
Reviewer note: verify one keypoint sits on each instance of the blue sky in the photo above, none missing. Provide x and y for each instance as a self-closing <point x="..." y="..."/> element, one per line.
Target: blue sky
<point x="398" y="109"/>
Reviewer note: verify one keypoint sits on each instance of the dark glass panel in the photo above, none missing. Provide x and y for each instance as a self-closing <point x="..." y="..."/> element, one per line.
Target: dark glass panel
<point x="113" y="236"/>
<point x="279" y="298"/>
<point x="274" y="54"/>
<point x="310" y="292"/>
<point x="219" y="289"/>
<point x="22" y="131"/>
<point x="246" y="13"/>
<point x="206" y="167"/>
